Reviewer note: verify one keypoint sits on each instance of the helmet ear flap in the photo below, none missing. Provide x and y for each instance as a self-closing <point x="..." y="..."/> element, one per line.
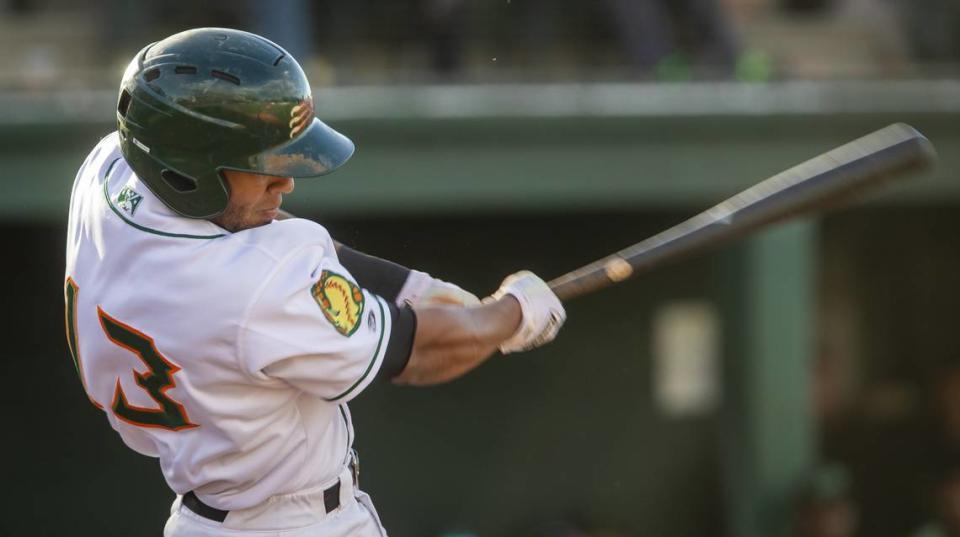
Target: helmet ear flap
<point x="179" y="182"/>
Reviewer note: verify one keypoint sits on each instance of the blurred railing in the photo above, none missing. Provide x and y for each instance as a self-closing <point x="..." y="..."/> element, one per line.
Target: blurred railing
<point x="530" y="147"/>
<point x="550" y="101"/>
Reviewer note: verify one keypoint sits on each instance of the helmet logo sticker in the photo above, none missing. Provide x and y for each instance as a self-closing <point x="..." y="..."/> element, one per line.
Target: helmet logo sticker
<point x="301" y="116"/>
<point x="140" y="144"/>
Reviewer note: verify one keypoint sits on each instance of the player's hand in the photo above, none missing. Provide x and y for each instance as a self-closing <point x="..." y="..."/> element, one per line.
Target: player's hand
<point x="543" y="314"/>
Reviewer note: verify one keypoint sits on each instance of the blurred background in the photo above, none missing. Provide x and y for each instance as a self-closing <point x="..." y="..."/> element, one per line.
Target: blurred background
<point x="805" y="381"/>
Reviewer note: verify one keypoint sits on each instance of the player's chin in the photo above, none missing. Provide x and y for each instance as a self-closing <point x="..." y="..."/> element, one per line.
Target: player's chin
<point x="252" y="221"/>
<point x="269" y="215"/>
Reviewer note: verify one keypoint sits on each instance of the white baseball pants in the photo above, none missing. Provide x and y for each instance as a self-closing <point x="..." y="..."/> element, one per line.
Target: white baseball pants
<point x="290" y="515"/>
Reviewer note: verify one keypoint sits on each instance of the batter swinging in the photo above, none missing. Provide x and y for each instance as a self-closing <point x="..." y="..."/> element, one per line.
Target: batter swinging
<point x="227" y="342"/>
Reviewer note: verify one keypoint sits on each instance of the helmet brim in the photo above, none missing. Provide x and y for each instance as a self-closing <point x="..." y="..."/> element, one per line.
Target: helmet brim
<point x="318" y="151"/>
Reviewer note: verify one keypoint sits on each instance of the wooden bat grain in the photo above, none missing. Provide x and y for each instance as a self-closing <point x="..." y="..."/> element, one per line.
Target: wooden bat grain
<point x="821" y="183"/>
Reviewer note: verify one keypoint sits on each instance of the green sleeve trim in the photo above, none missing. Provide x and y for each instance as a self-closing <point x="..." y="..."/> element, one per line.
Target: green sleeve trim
<point x="383" y="330"/>
<point x="106" y="195"/>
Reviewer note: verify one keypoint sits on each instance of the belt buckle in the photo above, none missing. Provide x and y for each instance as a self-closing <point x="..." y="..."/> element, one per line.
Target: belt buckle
<point x="355" y="467"/>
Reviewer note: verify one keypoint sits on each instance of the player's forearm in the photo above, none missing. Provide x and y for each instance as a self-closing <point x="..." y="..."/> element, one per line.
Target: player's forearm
<point x="451" y="341"/>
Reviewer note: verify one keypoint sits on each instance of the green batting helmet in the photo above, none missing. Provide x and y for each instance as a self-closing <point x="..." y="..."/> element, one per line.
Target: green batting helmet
<point x="210" y="99"/>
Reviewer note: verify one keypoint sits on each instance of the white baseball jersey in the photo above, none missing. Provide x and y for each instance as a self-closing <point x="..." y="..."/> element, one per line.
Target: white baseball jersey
<point x="228" y="356"/>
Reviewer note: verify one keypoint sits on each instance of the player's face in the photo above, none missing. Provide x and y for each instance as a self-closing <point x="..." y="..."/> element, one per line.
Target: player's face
<point x="254" y="199"/>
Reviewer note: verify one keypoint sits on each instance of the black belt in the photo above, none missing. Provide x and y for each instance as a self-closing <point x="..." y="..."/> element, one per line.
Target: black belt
<point x="331" y="501"/>
<point x="331" y="496"/>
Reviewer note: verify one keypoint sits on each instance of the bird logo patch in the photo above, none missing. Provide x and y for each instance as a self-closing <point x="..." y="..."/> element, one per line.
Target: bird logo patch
<point x="301" y="116"/>
<point x="340" y="300"/>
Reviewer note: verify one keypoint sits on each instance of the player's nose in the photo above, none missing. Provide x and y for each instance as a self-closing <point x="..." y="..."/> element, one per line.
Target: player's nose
<point x="281" y="185"/>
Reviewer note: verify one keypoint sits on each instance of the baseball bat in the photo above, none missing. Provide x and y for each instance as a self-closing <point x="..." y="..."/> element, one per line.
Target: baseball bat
<point x="821" y="183"/>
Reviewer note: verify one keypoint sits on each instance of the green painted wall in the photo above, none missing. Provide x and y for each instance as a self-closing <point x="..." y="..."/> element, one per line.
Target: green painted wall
<point x="457" y="166"/>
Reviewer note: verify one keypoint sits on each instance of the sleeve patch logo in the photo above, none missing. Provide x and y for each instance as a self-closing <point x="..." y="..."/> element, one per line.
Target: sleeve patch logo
<point x="340" y="300"/>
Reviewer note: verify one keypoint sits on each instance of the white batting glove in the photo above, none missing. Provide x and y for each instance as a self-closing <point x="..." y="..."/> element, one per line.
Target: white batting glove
<point x="422" y="289"/>
<point x="543" y="314"/>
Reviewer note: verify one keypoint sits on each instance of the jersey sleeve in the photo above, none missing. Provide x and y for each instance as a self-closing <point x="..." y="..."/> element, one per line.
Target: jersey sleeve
<point x="312" y="326"/>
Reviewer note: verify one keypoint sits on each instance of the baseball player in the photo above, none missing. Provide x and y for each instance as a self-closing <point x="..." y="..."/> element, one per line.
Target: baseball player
<point x="227" y="341"/>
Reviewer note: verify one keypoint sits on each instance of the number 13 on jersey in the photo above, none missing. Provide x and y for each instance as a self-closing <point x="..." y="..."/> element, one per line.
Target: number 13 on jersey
<point x="169" y="414"/>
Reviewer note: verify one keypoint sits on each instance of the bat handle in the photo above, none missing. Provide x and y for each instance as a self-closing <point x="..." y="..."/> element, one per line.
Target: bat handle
<point x="567" y="289"/>
<point x="564" y="291"/>
<point x="593" y="277"/>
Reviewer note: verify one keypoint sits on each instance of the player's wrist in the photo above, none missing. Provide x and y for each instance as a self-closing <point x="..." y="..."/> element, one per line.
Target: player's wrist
<point x="414" y="287"/>
<point x="486" y="326"/>
<point x="422" y="289"/>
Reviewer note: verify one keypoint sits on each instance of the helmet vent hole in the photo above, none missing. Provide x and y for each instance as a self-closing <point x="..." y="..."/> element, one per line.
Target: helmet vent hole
<point x="180" y="183"/>
<point x="225" y="76"/>
<point x="280" y="57"/>
<point x="185" y="70"/>
<point x="151" y="75"/>
<point x="124" y="104"/>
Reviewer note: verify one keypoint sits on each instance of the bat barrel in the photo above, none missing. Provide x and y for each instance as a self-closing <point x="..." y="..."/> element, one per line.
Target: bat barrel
<point x="822" y="183"/>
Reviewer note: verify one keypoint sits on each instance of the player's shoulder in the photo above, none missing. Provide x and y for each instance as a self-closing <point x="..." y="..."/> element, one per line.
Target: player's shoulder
<point x="110" y="142"/>
<point x="104" y="155"/>
<point x="105" y="151"/>
<point x="282" y="259"/>
<point x="282" y="238"/>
